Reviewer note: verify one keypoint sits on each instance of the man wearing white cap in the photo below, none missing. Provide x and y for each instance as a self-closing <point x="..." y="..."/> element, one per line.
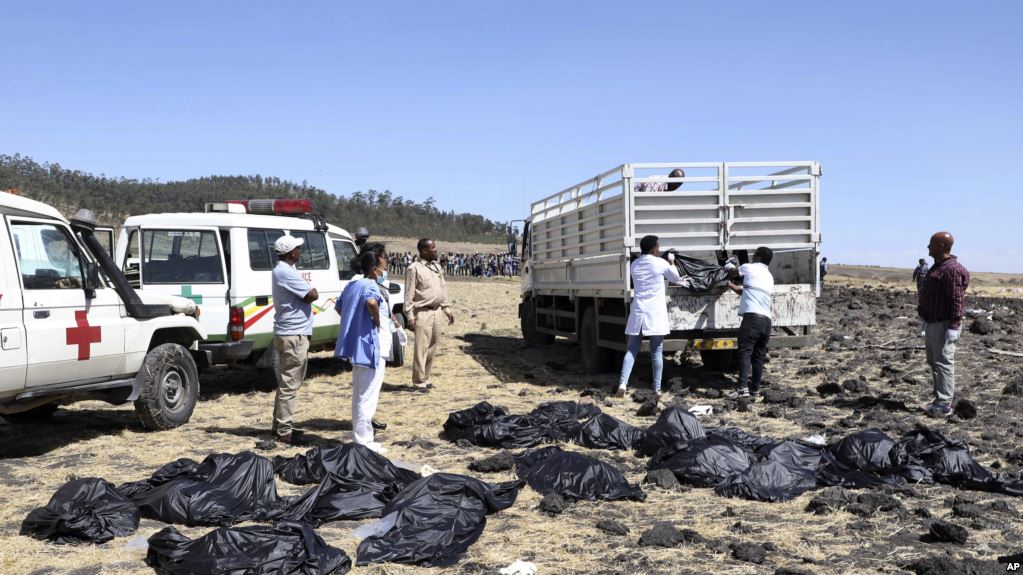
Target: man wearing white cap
<point x="293" y="325"/>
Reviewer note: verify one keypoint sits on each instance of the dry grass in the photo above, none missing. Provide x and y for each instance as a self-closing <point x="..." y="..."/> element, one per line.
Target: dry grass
<point x="981" y="283"/>
<point x="480" y="358"/>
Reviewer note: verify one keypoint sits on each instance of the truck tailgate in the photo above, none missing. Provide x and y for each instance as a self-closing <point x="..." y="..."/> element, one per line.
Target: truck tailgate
<point x="792" y="305"/>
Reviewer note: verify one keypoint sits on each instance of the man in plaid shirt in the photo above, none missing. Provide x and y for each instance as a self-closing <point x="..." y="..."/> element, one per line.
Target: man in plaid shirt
<point x="941" y="304"/>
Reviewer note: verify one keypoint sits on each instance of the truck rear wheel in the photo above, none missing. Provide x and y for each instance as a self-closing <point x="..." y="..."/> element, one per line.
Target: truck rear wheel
<point x="527" y="323"/>
<point x="720" y="359"/>
<point x="168" y="387"/>
<point x="35" y="415"/>
<point x="595" y="359"/>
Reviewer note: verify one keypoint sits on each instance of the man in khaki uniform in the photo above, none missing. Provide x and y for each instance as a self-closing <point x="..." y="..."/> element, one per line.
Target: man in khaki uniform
<point x="425" y="299"/>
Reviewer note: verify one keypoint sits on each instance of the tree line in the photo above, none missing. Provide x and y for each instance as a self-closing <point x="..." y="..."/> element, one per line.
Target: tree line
<point x="114" y="199"/>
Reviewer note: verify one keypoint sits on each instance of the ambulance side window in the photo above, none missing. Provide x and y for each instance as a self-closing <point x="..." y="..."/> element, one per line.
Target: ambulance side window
<point x="130" y="265"/>
<point x="314" y="251"/>
<point x="344" y="252"/>
<point x="47" y="257"/>
<point x="261" y="249"/>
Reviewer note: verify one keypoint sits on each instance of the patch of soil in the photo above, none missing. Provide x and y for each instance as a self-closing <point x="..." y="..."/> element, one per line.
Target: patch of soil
<point x="650" y="407"/>
<point x="502" y="461"/>
<point x="612" y="527"/>
<point x="950" y="532"/>
<point x="949" y="566"/>
<point x="662" y="478"/>
<point x="749" y="552"/>
<point x="553" y="504"/>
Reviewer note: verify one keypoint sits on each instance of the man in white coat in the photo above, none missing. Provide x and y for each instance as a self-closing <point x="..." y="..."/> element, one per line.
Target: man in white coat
<point x="649" y="313"/>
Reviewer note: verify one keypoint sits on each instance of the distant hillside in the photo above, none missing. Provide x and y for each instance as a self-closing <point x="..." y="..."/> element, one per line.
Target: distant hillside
<point x="116" y="198"/>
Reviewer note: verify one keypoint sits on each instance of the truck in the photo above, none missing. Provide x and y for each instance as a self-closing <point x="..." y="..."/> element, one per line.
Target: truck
<point x="578" y="244"/>
<point x="73" y="329"/>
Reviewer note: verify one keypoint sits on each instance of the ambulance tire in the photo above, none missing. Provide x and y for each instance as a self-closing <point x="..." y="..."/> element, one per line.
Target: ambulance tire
<point x="35" y="415"/>
<point x="168" y="387"/>
<point x="720" y="359"/>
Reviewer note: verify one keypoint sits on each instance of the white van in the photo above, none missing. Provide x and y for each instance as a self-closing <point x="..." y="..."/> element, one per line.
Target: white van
<point x="223" y="258"/>
<point x="72" y="329"/>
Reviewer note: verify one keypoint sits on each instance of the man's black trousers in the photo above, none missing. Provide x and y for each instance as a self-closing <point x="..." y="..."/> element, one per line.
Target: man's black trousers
<point x="754" y="333"/>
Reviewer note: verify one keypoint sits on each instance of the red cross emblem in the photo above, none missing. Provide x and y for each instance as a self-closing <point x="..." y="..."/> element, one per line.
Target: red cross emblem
<point x="83" y="335"/>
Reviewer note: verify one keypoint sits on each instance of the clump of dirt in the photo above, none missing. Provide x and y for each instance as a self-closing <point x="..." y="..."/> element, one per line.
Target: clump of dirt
<point x="502" y="461"/>
<point x="965" y="409"/>
<point x="950" y="566"/>
<point x="644" y="395"/>
<point x="855" y="386"/>
<point x="748" y="552"/>
<point x="553" y="504"/>
<point x="662" y="534"/>
<point x="828" y="500"/>
<point x="950" y="532"/>
<point x="982" y="326"/>
<point x="612" y="527"/>
<point x="650" y="407"/>
<point x="662" y="478"/>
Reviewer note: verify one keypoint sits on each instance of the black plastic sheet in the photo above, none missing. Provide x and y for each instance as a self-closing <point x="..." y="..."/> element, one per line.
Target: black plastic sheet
<point x="704" y="461"/>
<point x="550" y="422"/>
<point x="949" y="461"/>
<point x="768" y="481"/>
<point x="460" y="424"/>
<point x="437" y="519"/>
<point x="284" y="549"/>
<point x="88" y="510"/>
<point x="703" y="275"/>
<point x="862" y="459"/>
<point x="351" y="460"/>
<point x="574" y="475"/>
<point x="674" y="428"/>
<point x="605" y="432"/>
<point x="222" y="490"/>
<point x="358" y="485"/>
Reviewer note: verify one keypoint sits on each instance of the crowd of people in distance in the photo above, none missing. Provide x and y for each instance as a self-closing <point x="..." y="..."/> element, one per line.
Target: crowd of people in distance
<point x="461" y="264"/>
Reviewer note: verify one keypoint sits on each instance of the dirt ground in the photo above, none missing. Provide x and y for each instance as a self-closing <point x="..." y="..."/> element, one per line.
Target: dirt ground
<point x="867" y="336"/>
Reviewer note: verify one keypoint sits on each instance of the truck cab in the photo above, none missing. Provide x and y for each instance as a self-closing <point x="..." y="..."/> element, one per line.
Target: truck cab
<point x="72" y="329"/>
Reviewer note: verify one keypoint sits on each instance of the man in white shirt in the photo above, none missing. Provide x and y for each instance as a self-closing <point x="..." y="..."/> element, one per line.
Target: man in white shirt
<point x="649" y="313"/>
<point x="755" y="308"/>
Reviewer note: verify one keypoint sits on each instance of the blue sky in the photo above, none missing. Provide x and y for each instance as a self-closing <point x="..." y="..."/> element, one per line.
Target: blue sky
<point x="915" y="109"/>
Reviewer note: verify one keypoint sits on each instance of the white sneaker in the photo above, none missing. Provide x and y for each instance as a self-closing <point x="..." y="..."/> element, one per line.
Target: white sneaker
<point x="621" y="391"/>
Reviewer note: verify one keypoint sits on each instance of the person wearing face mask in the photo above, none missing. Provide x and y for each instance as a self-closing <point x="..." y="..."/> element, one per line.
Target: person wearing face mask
<point x="383" y="281"/>
<point x="364" y="340"/>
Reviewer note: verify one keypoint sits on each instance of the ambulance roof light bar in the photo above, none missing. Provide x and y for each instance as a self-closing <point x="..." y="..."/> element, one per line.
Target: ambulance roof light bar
<point x="286" y="207"/>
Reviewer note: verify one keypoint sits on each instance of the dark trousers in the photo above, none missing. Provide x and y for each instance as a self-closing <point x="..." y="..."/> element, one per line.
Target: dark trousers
<point x="754" y="333"/>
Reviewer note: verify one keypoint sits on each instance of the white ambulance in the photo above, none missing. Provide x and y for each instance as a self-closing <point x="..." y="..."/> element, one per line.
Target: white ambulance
<point x="71" y="327"/>
<point x="222" y="259"/>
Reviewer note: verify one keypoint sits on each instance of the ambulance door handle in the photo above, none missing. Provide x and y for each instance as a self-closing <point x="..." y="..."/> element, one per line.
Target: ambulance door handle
<point x="41" y="314"/>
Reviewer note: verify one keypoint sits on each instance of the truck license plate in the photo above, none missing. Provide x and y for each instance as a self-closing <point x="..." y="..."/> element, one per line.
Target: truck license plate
<point x="730" y="343"/>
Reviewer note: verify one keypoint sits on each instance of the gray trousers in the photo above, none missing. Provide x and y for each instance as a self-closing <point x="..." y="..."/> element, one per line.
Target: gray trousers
<point x="292" y="360"/>
<point x="941" y="360"/>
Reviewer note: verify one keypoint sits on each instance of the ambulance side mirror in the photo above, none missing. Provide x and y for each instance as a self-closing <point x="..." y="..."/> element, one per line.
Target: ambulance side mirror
<point x="92" y="281"/>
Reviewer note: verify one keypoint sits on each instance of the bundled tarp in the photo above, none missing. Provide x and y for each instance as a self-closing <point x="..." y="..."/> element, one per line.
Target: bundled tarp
<point x="605" y="432"/>
<point x="436" y="519"/>
<point x="351" y="460"/>
<point x="674" y="429"/>
<point x="863" y="459"/>
<point x="703" y="275"/>
<point x="284" y="549"/>
<point x="703" y="462"/>
<point x="786" y="470"/>
<point x="574" y="475"/>
<point x="356" y="483"/>
<point x="482" y="424"/>
<point x="949" y="461"/>
<point x="460" y="424"/>
<point x="222" y="490"/>
<point x="88" y="510"/>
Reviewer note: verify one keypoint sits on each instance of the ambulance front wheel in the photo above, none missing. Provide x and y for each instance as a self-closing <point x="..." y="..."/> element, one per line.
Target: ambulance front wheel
<point x="168" y="387"/>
